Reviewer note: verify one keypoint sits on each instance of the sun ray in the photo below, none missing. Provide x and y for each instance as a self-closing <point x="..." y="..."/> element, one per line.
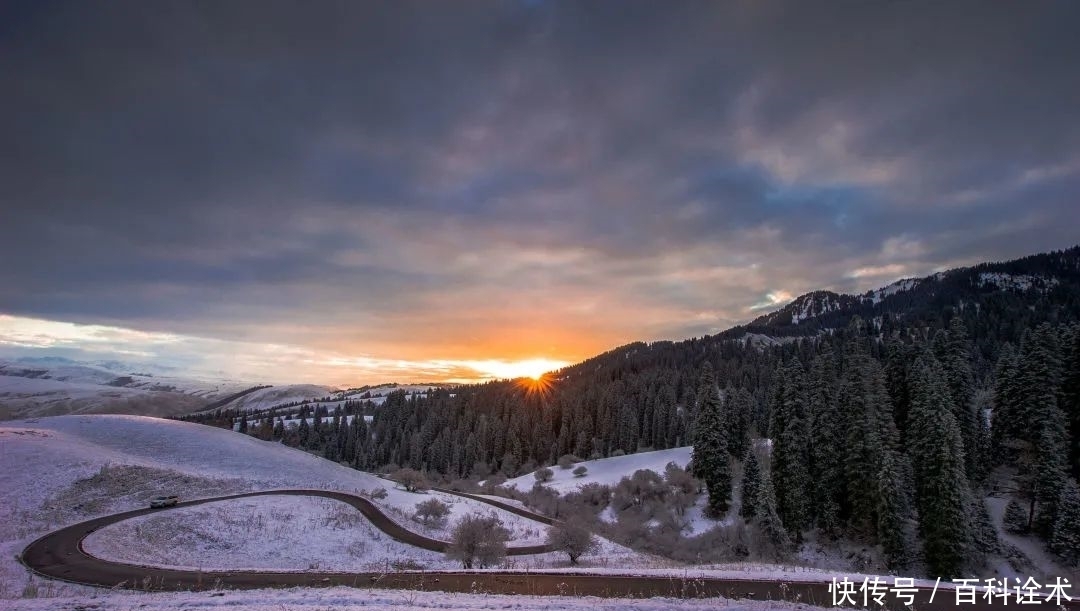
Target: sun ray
<point x="540" y="385"/>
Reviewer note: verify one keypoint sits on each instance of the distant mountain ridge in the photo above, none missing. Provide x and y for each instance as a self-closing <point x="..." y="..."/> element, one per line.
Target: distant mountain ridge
<point x="997" y="299"/>
<point x="52" y="385"/>
<point x="1030" y="280"/>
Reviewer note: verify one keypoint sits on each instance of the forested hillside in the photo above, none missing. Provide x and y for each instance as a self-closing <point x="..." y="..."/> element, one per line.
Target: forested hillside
<point x="891" y="414"/>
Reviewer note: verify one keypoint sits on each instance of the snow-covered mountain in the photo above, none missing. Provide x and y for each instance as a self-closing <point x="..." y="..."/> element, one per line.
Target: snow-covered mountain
<point x="805" y="307"/>
<point x="1023" y="283"/>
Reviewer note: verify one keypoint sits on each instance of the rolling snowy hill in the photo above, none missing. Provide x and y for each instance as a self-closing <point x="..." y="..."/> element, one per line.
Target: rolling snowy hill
<point x="274" y="396"/>
<point x="34" y="387"/>
<point x="606" y="470"/>
<point x="62" y="470"/>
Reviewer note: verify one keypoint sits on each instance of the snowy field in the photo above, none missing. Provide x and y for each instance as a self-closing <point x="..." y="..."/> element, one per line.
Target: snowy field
<point x="63" y="470"/>
<point x="523" y="531"/>
<point x="305" y="534"/>
<point x="606" y="470"/>
<point x="259" y="533"/>
<point x="58" y="471"/>
<point x="349" y="599"/>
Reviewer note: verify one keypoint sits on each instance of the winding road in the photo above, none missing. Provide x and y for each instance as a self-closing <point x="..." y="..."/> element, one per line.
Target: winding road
<point x="59" y="555"/>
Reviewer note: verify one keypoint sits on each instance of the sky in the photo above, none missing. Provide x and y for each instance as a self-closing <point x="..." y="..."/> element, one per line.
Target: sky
<point x="352" y="192"/>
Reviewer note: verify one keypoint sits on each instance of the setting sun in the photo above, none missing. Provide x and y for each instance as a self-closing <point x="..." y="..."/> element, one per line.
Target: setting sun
<point x="528" y="368"/>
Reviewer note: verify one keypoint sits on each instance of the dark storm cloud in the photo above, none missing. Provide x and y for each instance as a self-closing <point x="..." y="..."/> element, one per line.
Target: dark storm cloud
<point x="362" y="169"/>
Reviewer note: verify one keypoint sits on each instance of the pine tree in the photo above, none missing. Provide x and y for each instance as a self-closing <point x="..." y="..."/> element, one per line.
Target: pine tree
<point x="891" y="525"/>
<point x="768" y="521"/>
<point x="751" y="487"/>
<point x="826" y="455"/>
<point x="956" y="363"/>
<point x="1040" y="374"/>
<point x="897" y="362"/>
<point x="303" y="433"/>
<point x="791" y="453"/>
<point x="1065" y="538"/>
<point x="862" y="445"/>
<point x="739" y="407"/>
<point x="712" y="464"/>
<point x="1006" y="420"/>
<point x="1049" y="478"/>
<point x="1016" y="518"/>
<point x="938" y="462"/>
<point x="1070" y="397"/>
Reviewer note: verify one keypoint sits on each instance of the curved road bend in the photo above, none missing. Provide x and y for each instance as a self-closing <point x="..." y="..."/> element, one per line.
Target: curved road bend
<point x="59" y="555"/>
<point x="525" y="513"/>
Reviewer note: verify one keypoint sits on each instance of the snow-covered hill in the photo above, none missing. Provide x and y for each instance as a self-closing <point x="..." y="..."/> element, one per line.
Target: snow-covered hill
<point x="32" y="387"/>
<point x="606" y="470"/>
<point x="62" y="470"/>
<point x="274" y="396"/>
<point x="326" y="396"/>
<point x="374" y="392"/>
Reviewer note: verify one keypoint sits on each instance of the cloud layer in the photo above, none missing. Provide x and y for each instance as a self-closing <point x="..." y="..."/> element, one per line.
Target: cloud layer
<point x="503" y="180"/>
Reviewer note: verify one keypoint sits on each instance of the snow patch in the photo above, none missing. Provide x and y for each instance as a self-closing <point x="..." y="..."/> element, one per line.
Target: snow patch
<point x="606" y="470"/>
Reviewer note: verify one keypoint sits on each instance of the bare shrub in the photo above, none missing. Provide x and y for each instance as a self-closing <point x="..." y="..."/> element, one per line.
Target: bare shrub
<point x="339" y="517"/>
<point x="30" y="590"/>
<point x="580" y="471"/>
<point x="593" y="495"/>
<point x="567" y="460"/>
<point x="478" y="541"/>
<point x="411" y="479"/>
<point x="573" y="539"/>
<point x="431" y="511"/>
<point x="641" y="490"/>
<point x="683" y="488"/>
<point x="543" y="475"/>
<point x="379" y="494"/>
<point x="527" y="467"/>
<point x="543" y="500"/>
<point x="462" y="485"/>
<point x="356" y="549"/>
<point x="480" y="469"/>
<point x="493" y="481"/>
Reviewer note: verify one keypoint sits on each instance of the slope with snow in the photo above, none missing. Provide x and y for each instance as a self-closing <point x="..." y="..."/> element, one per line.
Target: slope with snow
<point x="258" y="533"/>
<point x="274" y="396"/>
<point x="899" y="286"/>
<point x="33" y="387"/>
<point x="385" y="389"/>
<point x="63" y="470"/>
<point x="606" y="470"/>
